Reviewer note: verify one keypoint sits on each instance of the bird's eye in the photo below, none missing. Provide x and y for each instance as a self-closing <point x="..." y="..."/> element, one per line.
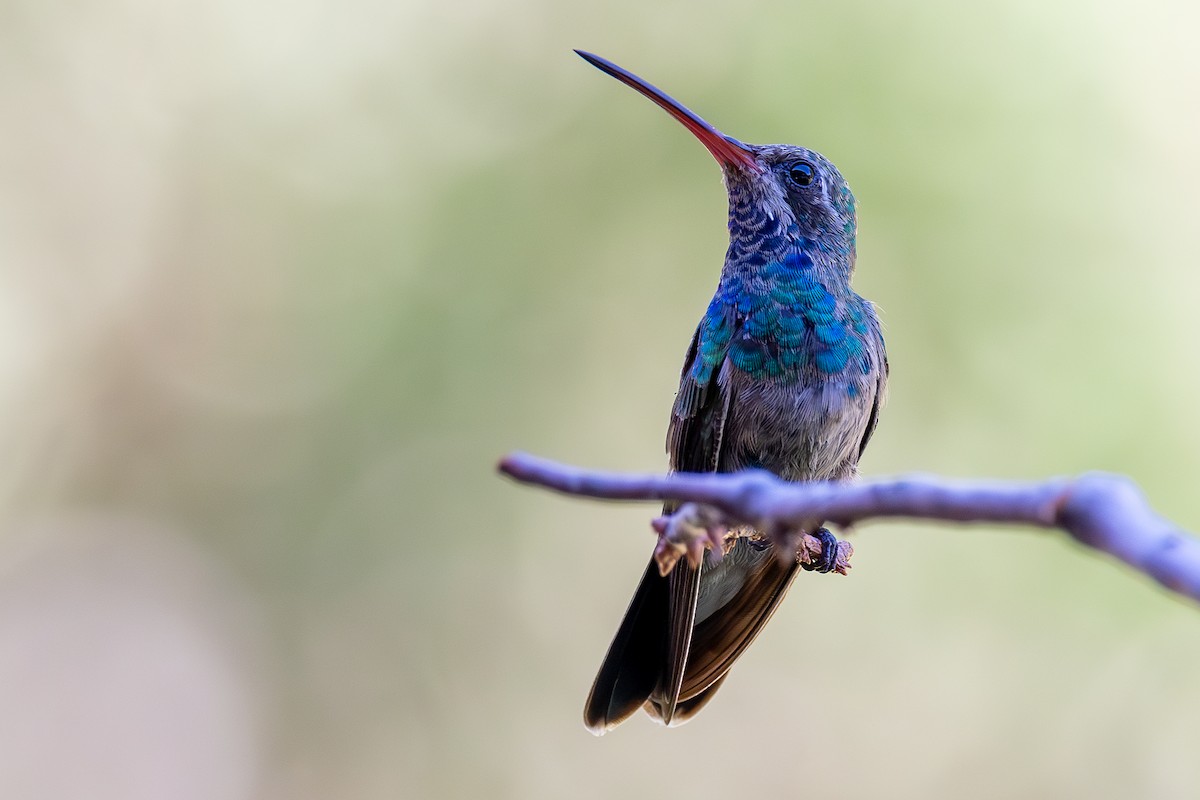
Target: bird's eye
<point x="802" y="173"/>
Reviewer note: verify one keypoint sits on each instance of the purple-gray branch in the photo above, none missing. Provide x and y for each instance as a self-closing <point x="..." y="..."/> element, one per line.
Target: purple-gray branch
<point x="1102" y="511"/>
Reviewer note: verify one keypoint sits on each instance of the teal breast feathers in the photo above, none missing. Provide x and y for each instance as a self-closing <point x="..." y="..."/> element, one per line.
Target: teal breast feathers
<point x="782" y="323"/>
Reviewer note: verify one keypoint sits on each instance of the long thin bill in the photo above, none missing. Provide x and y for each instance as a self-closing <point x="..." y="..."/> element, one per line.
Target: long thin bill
<point x="727" y="150"/>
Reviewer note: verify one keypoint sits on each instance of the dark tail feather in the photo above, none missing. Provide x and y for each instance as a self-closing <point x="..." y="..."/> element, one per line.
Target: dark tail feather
<point x="637" y="671"/>
<point x="720" y="640"/>
<point x="631" y="668"/>
<point x="684" y="590"/>
<point x="716" y="642"/>
<point x="683" y="710"/>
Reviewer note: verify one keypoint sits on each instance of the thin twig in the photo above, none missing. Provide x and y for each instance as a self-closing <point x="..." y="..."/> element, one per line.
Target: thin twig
<point x="1100" y="510"/>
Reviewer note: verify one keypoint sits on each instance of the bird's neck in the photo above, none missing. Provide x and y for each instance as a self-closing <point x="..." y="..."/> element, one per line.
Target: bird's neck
<point x="765" y="244"/>
<point x="786" y="303"/>
<point x="781" y="261"/>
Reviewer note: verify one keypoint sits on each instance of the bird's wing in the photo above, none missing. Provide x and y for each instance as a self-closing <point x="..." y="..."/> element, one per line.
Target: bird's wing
<point x="657" y="627"/>
<point x="631" y="668"/>
<point x="694" y="444"/>
<point x="698" y="417"/>
<point x="880" y="385"/>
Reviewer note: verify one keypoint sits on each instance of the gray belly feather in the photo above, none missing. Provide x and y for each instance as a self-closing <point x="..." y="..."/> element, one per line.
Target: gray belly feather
<point x="802" y="431"/>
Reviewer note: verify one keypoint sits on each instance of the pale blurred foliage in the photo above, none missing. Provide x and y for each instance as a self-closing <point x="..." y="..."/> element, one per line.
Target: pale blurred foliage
<point x="279" y="282"/>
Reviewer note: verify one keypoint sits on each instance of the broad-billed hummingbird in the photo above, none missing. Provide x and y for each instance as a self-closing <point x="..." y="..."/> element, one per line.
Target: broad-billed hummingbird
<point x="786" y="372"/>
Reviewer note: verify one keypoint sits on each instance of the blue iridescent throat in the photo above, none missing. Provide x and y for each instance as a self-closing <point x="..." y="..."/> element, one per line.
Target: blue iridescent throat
<point x="775" y="316"/>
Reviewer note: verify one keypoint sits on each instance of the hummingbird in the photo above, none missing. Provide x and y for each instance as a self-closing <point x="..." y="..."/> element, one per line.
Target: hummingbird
<point x="786" y="372"/>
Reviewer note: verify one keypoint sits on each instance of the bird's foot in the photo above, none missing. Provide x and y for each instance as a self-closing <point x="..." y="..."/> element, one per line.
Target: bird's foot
<point x="820" y="551"/>
<point x="689" y="531"/>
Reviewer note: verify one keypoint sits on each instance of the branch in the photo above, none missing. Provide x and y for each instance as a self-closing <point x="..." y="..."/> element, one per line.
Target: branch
<point x="1099" y="510"/>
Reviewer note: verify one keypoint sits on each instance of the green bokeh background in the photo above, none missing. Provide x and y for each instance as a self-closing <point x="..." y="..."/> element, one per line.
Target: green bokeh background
<point x="279" y="283"/>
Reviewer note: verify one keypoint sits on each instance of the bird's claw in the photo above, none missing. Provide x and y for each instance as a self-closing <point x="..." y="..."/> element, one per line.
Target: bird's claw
<point x="689" y="531"/>
<point x="820" y="551"/>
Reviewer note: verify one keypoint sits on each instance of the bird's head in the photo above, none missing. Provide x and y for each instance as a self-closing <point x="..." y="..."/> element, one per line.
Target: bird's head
<point x="776" y="191"/>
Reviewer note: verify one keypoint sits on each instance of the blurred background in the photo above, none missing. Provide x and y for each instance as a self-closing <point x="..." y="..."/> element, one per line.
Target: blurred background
<point x="280" y="282"/>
